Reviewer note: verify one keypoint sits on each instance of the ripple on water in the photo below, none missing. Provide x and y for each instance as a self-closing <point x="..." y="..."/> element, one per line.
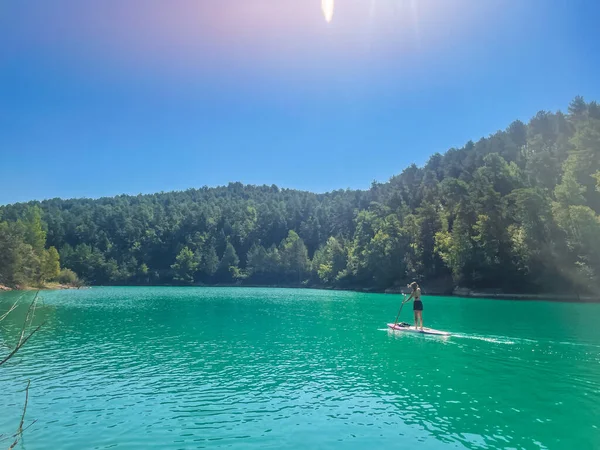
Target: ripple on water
<point x="300" y="369"/>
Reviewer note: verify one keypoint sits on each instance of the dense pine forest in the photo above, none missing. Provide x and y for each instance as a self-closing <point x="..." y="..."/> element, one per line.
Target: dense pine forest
<point x="517" y="211"/>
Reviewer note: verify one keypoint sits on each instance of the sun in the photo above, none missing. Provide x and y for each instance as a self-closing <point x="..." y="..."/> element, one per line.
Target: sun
<point x="327" y="6"/>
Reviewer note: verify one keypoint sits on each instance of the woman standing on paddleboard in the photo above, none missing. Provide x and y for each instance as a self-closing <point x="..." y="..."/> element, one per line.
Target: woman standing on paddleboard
<point x="417" y="304"/>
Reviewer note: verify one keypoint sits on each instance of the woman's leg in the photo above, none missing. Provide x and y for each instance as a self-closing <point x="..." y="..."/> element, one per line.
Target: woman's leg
<point x="416" y="318"/>
<point x="421" y="318"/>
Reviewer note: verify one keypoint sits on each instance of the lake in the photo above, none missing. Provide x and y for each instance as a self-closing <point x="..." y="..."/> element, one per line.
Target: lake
<point x="163" y="367"/>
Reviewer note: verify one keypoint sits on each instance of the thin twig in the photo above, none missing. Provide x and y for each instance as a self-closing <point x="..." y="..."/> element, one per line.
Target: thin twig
<point x="5" y="315"/>
<point x="28" y="320"/>
<point x="12" y="308"/>
<point x="21" y="344"/>
<point x="22" y="341"/>
<point x="19" y="434"/>
<point x="24" y="407"/>
<point x="2" y="439"/>
<point x="20" y="429"/>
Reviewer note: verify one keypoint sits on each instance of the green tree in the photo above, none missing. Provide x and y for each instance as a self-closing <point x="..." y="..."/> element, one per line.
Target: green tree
<point x="532" y="229"/>
<point x="584" y="160"/>
<point x="34" y="233"/>
<point x="21" y="263"/>
<point x="274" y="267"/>
<point x="12" y="251"/>
<point x="578" y="107"/>
<point x="582" y="228"/>
<point x="68" y="277"/>
<point x="329" y="261"/>
<point x="570" y="191"/>
<point x="428" y="224"/>
<point x="209" y="261"/>
<point x="50" y="264"/>
<point x="185" y="266"/>
<point x="294" y="257"/>
<point x="516" y="208"/>
<point x="256" y="261"/>
<point x="229" y="264"/>
<point x="455" y="248"/>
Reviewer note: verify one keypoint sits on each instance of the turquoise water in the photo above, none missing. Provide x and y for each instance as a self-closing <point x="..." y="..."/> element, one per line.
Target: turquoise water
<point x="300" y="369"/>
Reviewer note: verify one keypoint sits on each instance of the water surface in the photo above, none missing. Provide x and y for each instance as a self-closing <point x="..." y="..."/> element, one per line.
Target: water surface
<point x="300" y="369"/>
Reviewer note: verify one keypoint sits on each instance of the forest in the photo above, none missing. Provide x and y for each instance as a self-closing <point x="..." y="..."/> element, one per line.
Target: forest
<point x="516" y="212"/>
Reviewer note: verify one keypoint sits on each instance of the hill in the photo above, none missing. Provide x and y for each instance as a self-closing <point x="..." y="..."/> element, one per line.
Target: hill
<point x="517" y="211"/>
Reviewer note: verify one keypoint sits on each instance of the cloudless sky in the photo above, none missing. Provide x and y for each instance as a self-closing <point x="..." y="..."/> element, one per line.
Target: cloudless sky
<point x="106" y="97"/>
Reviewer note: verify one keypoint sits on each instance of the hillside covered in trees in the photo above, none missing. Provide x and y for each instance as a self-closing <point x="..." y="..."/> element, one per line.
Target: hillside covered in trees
<point x="24" y="259"/>
<point x="516" y="211"/>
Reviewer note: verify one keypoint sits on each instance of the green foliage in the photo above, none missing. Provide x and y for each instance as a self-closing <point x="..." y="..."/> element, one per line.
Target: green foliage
<point x="209" y="261"/>
<point x="185" y="266"/>
<point x="455" y="248"/>
<point x="294" y="258"/>
<point x="330" y="261"/>
<point x="68" y="277"/>
<point x="33" y="232"/>
<point x="517" y="210"/>
<point x="228" y="269"/>
<point x="14" y="253"/>
<point x="569" y="191"/>
<point x="597" y="177"/>
<point x="577" y="107"/>
<point x="24" y="260"/>
<point x="50" y="264"/>
<point x="256" y="261"/>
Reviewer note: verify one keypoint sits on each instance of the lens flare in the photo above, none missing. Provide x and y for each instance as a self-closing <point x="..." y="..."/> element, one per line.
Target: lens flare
<point x="327" y="6"/>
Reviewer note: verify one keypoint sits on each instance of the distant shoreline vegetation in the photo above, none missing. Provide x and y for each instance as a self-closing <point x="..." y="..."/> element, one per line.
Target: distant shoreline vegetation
<point x="457" y="293"/>
<point x="517" y="211"/>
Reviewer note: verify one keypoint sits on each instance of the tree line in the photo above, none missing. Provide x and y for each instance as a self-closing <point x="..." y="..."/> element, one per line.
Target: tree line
<point x="24" y="259"/>
<point x="516" y="211"/>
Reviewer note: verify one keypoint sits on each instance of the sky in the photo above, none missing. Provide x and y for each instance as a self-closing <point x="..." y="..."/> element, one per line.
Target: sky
<point x="141" y="96"/>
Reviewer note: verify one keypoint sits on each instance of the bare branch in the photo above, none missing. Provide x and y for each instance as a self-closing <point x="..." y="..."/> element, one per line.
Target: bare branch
<point x="20" y="430"/>
<point x="21" y="344"/>
<point x="16" y="435"/>
<point x="12" y="308"/>
<point x="28" y="317"/>
<point x="22" y="341"/>
<point x="24" y="407"/>
<point x="2" y="439"/>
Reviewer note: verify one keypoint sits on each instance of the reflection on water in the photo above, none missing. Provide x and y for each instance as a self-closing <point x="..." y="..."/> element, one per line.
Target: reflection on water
<point x="281" y="368"/>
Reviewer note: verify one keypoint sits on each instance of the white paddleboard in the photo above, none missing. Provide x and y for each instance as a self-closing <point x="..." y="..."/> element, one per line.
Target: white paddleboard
<point x="412" y="329"/>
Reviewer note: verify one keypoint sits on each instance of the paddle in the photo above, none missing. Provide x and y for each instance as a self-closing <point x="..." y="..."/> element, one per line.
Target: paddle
<point x="403" y="301"/>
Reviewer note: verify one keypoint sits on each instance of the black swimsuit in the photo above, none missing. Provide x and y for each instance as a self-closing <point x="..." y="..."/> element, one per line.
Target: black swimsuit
<point x="418" y="305"/>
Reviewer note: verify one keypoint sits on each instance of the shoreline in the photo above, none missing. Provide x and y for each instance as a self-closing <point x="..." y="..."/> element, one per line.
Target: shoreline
<point x="457" y="293"/>
<point x="45" y="287"/>
<point x="468" y="293"/>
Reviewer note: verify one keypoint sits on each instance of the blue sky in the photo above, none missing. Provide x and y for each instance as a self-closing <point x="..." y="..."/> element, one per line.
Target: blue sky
<point x="141" y="96"/>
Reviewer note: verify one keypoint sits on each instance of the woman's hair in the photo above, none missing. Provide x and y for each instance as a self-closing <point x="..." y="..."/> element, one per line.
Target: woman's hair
<point x="414" y="285"/>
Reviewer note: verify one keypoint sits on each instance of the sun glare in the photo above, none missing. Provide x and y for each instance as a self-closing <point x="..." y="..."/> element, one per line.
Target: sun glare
<point x="327" y="6"/>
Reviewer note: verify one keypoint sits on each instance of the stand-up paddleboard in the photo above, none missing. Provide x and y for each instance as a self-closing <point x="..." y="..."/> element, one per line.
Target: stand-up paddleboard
<point x="411" y="329"/>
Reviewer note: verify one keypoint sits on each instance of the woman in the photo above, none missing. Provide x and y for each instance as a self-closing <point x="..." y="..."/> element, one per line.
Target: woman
<point x="417" y="304"/>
